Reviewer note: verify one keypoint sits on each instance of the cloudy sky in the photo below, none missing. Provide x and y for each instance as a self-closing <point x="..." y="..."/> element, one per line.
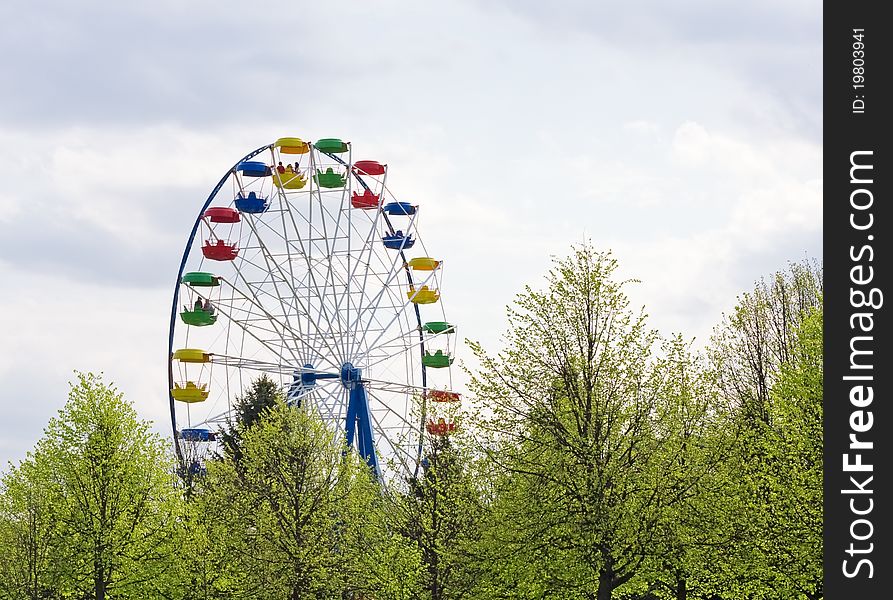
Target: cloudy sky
<point x="684" y="136"/>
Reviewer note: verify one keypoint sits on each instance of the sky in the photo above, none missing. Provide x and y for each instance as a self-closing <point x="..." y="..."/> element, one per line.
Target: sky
<point x="685" y="137"/>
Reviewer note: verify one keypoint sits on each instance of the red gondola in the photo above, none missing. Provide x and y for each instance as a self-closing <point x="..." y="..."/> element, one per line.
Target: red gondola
<point x="221" y="250"/>
<point x="365" y="200"/>
<point x="441" y="427"/>
<point x="369" y="167"/>
<point x="222" y="214"/>
<point x="443" y="396"/>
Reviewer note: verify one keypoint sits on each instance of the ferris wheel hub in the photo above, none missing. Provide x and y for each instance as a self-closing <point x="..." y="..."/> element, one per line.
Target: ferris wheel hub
<point x="308" y="377"/>
<point x="351" y="376"/>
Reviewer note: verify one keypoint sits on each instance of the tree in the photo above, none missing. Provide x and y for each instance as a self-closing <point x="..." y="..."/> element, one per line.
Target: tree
<point x="114" y="501"/>
<point x="791" y="445"/>
<point x="584" y="421"/>
<point x="27" y="533"/>
<point x="300" y="516"/>
<point x="203" y="571"/>
<point x="441" y="515"/>
<point x="697" y="442"/>
<point x="759" y="336"/>
<point x="249" y="409"/>
<point x="773" y="338"/>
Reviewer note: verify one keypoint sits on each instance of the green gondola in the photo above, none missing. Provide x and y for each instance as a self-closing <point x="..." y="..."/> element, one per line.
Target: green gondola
<point x="439" y="327"/>
<point x="438" y="360"/>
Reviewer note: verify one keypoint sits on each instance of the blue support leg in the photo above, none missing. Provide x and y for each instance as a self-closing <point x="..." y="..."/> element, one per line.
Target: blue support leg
<point x="350" y="425"/>
<point x="359" y="419"/>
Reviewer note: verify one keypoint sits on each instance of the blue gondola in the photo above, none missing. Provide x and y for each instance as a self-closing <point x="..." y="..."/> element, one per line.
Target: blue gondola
<point x="399" y="208"/>
<point x="197" y="435"/>
<point x="251" y="168"/>
<point x="194" y="469"/>
<point x="252" y="203"/>
<point x="398" y="241"/>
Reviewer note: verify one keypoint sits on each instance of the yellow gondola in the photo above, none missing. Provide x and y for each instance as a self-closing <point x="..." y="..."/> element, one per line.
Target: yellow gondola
<point x="192" y="355"/>
<point x="292" y="145"/>
<point x="190" y="392"/>
<point x="424" y="295"/>
<point x="423" y="263"/>
<point x="289" y="181"/>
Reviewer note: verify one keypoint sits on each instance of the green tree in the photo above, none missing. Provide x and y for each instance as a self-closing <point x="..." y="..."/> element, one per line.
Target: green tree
<point x="27" y="533"/>
<point x="791" y="472"/>
<point x="772" y="339"/>
<point x="301" y="518"/>
<point x="114" y="501"/>
<point x="695" y="443"/>
<point x="752" y="343"/>
<point x="262" y="395"/>
<point x="441" y="514"/>
<point x="585" y="420"/>
<point x="204" y="569"/>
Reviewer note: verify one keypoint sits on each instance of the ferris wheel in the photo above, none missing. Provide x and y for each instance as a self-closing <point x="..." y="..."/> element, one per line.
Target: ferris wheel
<point x="302" y="265"/>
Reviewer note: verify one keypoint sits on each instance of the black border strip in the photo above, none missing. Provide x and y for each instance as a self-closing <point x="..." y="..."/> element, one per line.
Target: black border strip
<point x="857" y="358"/>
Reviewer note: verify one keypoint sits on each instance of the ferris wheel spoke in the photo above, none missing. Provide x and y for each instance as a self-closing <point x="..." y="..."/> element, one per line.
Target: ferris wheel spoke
<point x="346" y="283"/>
<point x="398" y="451"/>
<point x="369" y="305"/>
<point x="279" y="329"/>
<point x="395" y="386"/>
<point x="369" y="321"/>
<point x="267" y="259"/>
<point x="221" y="417"/>
<point x="332" y="253"/>
<point x="267" y="367"/>
<point x="330" y="241"/>
<point x="338" y="397"/>
<point x="283" y="325"/>
<point x="333" y="276"/>
<point x="289" y="284"/>
<point x="376" y="303"/>
<point x="367" y="247"/>
<point x="403" y="420"/>
<point x="406" y="304"/>
<point x="288" y="250"/>
<point x="349" y="213"/>
<point x="408" y="345"/>
<point x="369" y="243"/>
<point x="376" y="394"/>
<point x="389" y="266"/>
<point x="245" y="324"/>
<point x="246" y="329"/>
<point x="397" y="350"/>
<point x="306" y="252"/>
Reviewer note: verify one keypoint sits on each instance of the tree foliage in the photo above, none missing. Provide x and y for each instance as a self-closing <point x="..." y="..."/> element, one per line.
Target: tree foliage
<point x="752" y="343"/>
<point x="28" y="536"/>
<point x="785" y="473"/>
<point x="441" y="515"/>
<point x="595" y="419"/>
<point x="299" y="517"/>
<point x="249" y="408"/>
<point x="603" y="460"/>
<point x="768" y="359"/>
<point x="96" y="502"/>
